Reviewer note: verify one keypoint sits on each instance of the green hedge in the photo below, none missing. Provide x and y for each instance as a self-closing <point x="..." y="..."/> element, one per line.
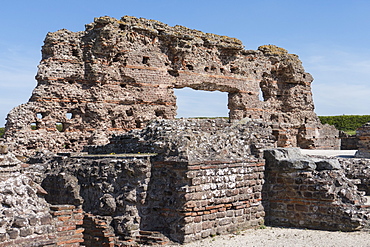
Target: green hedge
<point x="345" y="122"/>
<point x="2" y="130"/>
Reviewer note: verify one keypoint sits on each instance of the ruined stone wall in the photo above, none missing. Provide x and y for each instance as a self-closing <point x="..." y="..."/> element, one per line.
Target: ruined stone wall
<point x="26" y="218"/>
<point x="126" y="198"/>
<point x="358" y="170"/>
<point x="119" y="74"/>
<point x="348" y="142"/>
<point x="61" y="228"/>
<point x="311" y="193"/>
<point x="177" y="180"/>
<point x="363" y="136"/>
<point x="111" y="189"/>
<point x="171" y="182"/>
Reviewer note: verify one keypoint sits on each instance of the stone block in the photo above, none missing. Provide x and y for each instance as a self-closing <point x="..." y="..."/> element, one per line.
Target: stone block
<point x="20" y="222"/>
<point x="13" y="233"/>
<point x="25" y="231"/>
<point x="206" y="233"/>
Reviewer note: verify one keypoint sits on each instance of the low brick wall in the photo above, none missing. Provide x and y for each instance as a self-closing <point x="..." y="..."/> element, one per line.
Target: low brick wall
<point x="311" y="193"/>
<point x="223" y="198"/>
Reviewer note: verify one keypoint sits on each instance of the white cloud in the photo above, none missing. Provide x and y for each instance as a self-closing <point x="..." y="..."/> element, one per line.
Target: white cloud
<point x="341" y="84"/>
<point x="17" y="79"/>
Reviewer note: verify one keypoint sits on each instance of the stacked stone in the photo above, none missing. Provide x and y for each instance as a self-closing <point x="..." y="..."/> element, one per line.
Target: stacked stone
<point x="24" y="212"/>
<point x="25" y="219"/>
<point x="311" y="193"/>
<point x="152" y="238"/>
<point x="194" y="140"/>
<point x="206" y="176"/>
<point x="8" y="161"/>
<point x="25" y="216"/>
<point x="111" y="188"/>
<point x="358" y="170"/>
<point x="181" y="178"/>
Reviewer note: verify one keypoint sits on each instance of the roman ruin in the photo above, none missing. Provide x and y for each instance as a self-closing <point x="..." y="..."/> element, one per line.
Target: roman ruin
<point x="96" y="157"/>
<point x="118" y="75"/>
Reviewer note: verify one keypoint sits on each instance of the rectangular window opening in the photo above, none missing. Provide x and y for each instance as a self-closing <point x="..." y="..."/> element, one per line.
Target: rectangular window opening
<point x="201" y="104"/>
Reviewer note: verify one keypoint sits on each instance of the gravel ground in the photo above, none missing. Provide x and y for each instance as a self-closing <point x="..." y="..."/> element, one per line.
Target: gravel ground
<point x="330" y="153"/>
<point x="277" y="237"/>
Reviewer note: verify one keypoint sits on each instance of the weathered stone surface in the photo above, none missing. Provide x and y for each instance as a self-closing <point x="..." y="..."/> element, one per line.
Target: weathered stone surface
<point x="328" y="164"/>
<point x="117" y="75"/>
<point x="184" y="179"/>
<point x="62" y="189"/>
<point x="320" y="196"/>
<point x="20" y="205"/>
<point x="9" y="162"/>
<point x="292" y="159"/>
<point x="358" y="169"/>
<point x="3" y="148"/>
<point x="194" y="140"/>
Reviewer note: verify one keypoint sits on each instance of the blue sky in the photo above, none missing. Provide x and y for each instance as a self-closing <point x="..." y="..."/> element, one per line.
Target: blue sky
<point x="331" y="37"/>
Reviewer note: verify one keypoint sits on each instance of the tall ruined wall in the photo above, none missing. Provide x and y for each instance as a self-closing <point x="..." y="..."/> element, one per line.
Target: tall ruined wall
<point x="119" y="74"/>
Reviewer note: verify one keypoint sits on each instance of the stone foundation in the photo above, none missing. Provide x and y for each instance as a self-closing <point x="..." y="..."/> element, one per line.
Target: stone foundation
<point x="183" y="201"/>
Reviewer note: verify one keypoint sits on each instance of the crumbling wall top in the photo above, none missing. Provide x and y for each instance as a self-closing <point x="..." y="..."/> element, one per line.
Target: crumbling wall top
<point x="129" y="23"/>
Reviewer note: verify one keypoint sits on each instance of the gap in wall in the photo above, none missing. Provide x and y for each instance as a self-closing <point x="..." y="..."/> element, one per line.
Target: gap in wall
<point x="199" y="103"/>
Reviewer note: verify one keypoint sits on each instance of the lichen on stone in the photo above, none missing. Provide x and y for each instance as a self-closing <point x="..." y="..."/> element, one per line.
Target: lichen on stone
<point x="272" y="50"/>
